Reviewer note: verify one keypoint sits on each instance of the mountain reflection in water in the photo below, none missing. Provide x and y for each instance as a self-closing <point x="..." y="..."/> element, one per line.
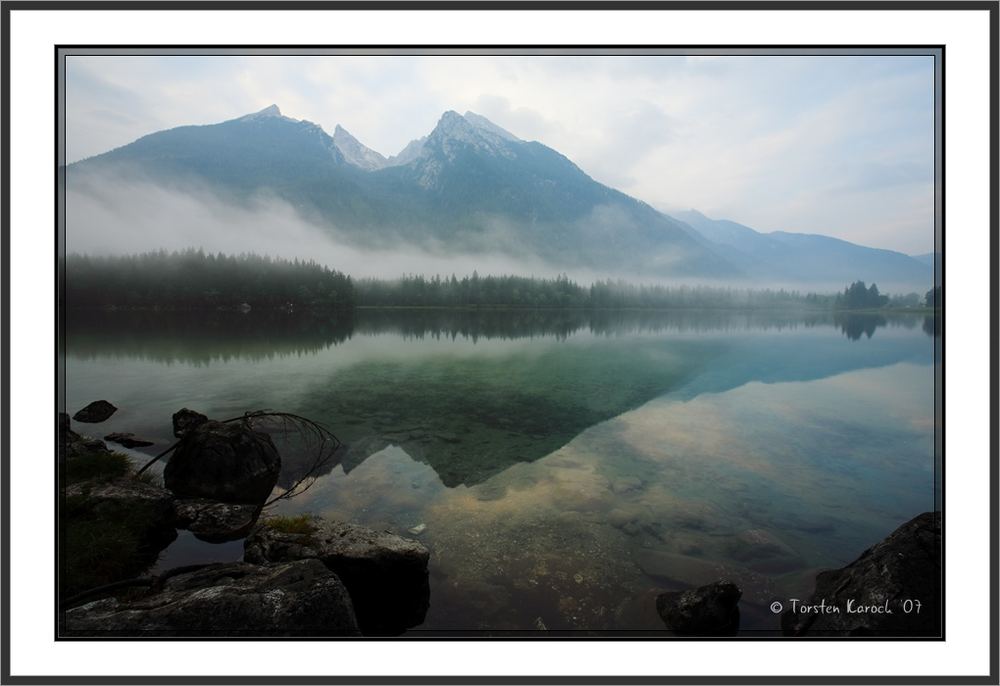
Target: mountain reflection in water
<point x="568" y="465"/>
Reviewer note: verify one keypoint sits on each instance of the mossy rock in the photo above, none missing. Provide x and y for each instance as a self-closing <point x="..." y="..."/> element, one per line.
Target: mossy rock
<point x="111" y="530"/>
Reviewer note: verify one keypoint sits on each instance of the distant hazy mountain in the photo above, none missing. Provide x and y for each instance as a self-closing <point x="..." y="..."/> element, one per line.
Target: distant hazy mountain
<point x="295" y="159"/>
<point x="807" y="258"/>
<point x="470" y="186"/>
<point x="933" y="259"/>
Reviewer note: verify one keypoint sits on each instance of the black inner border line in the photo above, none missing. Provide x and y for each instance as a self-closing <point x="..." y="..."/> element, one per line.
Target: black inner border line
<point x="91" y="51"/>
<point x="5" y="16"/>
<point x="518" y="5"/>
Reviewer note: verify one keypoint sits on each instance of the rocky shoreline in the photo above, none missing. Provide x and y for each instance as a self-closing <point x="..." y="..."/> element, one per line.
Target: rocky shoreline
<point x="301" y="576"/>
<point x="309" y="576"/>
<point x="893" y="589"/>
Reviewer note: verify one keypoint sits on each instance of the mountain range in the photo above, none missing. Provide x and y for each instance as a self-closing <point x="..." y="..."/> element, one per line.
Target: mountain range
<point x="471" y="187"/>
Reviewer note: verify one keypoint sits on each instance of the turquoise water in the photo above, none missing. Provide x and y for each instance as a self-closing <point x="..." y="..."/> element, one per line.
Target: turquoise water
<point x="566" y="467"/>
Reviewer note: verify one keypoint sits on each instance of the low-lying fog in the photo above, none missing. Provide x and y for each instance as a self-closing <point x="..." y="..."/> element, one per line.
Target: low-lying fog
<point x="121" y="216"/>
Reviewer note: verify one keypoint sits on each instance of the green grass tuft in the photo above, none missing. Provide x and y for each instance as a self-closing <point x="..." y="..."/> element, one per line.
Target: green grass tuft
<point x="301" y="524"/>
<point x="100" y="545"/>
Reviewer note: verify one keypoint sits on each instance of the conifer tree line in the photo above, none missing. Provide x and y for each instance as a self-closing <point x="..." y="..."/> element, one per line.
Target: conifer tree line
<point x="194" y="279"/>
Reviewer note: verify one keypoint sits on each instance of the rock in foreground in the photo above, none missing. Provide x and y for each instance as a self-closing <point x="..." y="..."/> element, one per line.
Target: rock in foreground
<point x="128" y="440"/>
<point x="711" y="610"/>
<point x="300" y="598"/>
<point x="73" y="444"/>
<point x="186" y="420"/>
<point x="96" y="412"/>
<point x="228" y="462"/>
<point x="213" y="521"/>
<point x="111" y="530"/>
<point x="893" y="589"/>
<point x="385" y="574"/>
<point x="127" y="498"/>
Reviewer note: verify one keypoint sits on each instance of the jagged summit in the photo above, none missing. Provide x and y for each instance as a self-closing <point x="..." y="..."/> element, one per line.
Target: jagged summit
<point x="468" y="125"/>
<point x="355" y="152"/>
<point x="411" y="152"/>
<point x="470" y="129"/>
<point x="269" y="111"/>
<point x="455" y="131"/>
<point x="481" y="122"/>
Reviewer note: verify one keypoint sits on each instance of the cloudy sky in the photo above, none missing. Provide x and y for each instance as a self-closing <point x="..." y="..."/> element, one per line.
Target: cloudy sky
<point x="835" y="145"/>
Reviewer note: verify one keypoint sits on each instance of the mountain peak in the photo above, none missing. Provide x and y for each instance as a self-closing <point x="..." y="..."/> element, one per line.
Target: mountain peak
<point x="269" y="112"/>
<point x="454" y="131"/>
<point x="450" y="122"/>
<point x="355" y="152"/>
<point x="481" y="122"/>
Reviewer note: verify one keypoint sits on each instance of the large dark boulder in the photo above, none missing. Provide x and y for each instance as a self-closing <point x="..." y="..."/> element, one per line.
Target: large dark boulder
<point x="95" y="412"/>
<point x="301" y="598"/>
<point x="385" y="574"/>
<point x="711" y="610"/>
<point x="229" y="462"/>
<point x="186" y="420"/>
<point x="213" y="521"/>
<point x="111" y="530"/>
<point x="893" y="589"/>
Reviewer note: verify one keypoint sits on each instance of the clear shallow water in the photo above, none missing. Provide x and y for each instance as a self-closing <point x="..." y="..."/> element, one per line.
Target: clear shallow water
<point x="568" y="468"/>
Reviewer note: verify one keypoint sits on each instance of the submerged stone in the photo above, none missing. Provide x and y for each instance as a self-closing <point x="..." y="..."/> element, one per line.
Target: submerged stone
<point x="628" y="484"/>
<point x="676" y="569"/>
<point x="127" y="439"/>
<point x="763" y="551"/>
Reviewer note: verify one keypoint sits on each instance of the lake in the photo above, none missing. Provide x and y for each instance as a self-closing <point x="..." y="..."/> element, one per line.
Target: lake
<point x="566" y="467"/>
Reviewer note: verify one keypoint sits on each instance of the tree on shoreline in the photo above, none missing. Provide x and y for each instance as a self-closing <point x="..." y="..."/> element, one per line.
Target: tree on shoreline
<point x="859" y="297"/>
<point x="195" y="280"/>
<point x="933" y="297"/>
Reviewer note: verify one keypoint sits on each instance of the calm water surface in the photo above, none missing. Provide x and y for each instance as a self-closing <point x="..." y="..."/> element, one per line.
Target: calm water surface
<point x="567" y="467"/>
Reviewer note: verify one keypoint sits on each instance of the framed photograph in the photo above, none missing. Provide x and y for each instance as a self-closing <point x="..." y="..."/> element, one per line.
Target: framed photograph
<point x="500" y="343"/>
